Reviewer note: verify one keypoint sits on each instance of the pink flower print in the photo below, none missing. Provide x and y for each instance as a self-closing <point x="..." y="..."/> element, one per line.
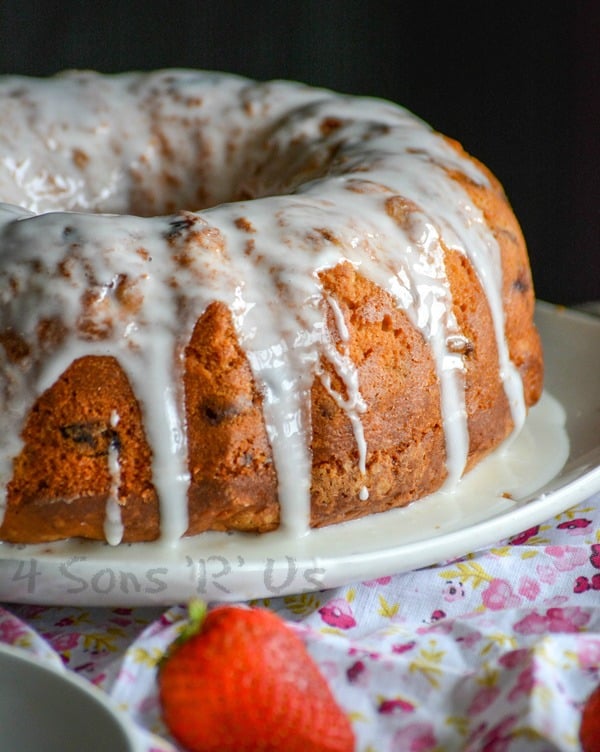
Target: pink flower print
<point x="393" y="705"/>
<point x="524" y="684"/>
<point x="63" y="642"/>
<point x="119" y="621"/>
<point x="546" y="574"/>
<point x="589" y="654"/>
<point x="533" y="623"/>
<point x="356" y="673"/>
<point x="529" y="588"/>
<point x="330" y="669"/>
<point x="498" y="595"/>
<point x="415" y="737"/>
<point x="337" y="613"/>
<point x="482" y="700"/>
<point x="521" y="538"/>
<point x="438" y="624"/>
<point x="31" y="612"/>
<point x="469" y="640"/>
<point x="148" y="704"/>
<point x="66" y="622"/>
<point x="577" y="526"/>
<point x="583" y="584"/>
<point x="378" y="581"/>
<point x="556" y="600"/>
<point x="566" y="558"/>
<point x="364" y="653"/>
<point x="563" y="620"/>
<point x="498" y="737"/>
<point x="160" y="625"/>
<point x="86" y="668"/>
<point x="11" y="630"/>
<point x="514" y="658"/>
<point x="595" y="557"/>
<point x="567" y="619"/>
<point x="453" y="591"/>
<point x="403" y="647"/>
<point x="126" y="677"/>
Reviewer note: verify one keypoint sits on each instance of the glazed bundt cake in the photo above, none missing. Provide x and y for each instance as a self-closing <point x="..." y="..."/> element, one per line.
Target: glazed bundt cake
<point x="239" y="306"/>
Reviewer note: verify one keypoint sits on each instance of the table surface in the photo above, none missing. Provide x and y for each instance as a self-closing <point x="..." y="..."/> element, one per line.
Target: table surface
<point x="496" y="650"/>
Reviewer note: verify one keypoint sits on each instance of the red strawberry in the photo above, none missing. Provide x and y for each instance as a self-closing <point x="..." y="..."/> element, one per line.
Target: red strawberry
<point x="242" y="681"/>
<point x="589" y="731"/>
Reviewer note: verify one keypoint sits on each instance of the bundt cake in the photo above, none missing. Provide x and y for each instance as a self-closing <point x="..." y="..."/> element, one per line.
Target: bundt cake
<point x="238" y="306"/>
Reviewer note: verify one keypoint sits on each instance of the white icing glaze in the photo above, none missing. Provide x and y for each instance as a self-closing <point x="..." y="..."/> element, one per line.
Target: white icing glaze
<point x="113" y="523"/>
<point x="353" y="404"/>
<point x="111" y="145"/>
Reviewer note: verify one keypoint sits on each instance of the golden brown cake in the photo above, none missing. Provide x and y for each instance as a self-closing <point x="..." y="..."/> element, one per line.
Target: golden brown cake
<point x="229" y="305"/>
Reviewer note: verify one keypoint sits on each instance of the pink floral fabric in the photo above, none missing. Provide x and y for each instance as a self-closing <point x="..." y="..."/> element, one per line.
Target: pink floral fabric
<point x="495" y="651"/>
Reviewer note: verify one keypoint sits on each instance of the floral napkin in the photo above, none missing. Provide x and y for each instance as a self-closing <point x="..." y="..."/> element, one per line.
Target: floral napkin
<point x="494" y="651"/>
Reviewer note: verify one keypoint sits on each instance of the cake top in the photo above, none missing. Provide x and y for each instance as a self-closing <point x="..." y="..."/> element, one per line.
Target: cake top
<point x="133" y="201"/>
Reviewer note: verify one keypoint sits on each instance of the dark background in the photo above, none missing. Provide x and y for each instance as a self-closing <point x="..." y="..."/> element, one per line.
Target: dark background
<point x="516" y="82"/>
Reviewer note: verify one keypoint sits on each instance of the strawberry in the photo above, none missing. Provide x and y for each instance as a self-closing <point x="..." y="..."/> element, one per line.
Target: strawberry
<point x="240" y="680"/>
<point x="589" y="731"/>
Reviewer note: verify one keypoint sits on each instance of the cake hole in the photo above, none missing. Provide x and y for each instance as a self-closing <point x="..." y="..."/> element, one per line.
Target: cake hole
<point x="159" y="180"/>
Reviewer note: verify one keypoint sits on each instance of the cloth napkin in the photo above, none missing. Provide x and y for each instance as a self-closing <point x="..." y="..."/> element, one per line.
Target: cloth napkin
<point x="494" y="651"/>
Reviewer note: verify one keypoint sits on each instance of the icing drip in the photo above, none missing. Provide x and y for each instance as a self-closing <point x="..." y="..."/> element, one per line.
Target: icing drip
<point x="353" y="403"/>
<point x="435" y="318"/>
<point x="321" y="169"/>
<point x="113" y="524"/>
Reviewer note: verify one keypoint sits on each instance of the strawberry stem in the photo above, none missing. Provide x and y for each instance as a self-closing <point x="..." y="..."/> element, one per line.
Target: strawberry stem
<point x="196" y="614"/>
<point x="197" y="611"/>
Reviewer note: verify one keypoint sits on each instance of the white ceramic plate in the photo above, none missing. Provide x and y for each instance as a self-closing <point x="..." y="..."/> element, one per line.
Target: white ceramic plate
<point x="44" y="709"/>
<point x="552" y="465"/>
